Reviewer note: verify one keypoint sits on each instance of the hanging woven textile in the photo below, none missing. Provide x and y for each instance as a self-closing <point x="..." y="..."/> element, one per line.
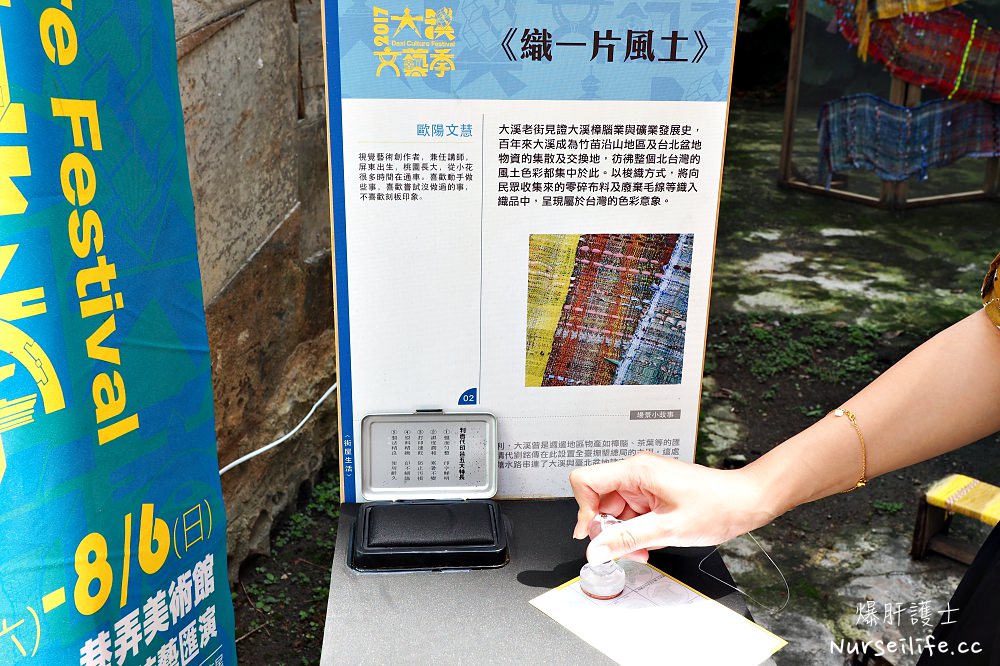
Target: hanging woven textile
<point x="945" y="50"/>
<point x="898" y="142"/>
<point x="870" y="10"/>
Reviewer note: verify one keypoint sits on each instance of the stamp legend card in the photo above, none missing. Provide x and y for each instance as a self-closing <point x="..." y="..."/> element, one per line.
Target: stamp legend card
<point x="429" y="456"/>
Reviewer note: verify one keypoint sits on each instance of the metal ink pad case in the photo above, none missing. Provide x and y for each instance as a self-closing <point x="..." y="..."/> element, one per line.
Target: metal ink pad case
<point x="427" y="479"/>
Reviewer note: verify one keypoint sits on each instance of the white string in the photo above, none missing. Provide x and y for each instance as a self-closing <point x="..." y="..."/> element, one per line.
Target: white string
<point x="788" y="592"/>
<point x="289" y="435"/>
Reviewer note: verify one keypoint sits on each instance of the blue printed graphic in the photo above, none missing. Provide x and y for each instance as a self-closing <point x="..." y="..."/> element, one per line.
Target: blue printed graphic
<point x="112" y="526"/>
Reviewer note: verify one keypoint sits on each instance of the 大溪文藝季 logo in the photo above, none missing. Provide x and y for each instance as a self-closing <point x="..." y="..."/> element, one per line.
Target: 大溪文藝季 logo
<point x="414" y="45"/>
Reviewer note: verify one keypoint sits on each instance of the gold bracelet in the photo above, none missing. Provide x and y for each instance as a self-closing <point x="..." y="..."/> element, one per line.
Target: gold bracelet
<point x="863" y="480"/>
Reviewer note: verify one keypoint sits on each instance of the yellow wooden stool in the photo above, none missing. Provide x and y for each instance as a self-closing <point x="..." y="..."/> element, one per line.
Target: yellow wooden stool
<point x="953" y="494"/>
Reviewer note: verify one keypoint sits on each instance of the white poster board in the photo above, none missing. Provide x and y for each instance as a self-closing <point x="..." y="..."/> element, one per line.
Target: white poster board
<point x="525" y="199"/>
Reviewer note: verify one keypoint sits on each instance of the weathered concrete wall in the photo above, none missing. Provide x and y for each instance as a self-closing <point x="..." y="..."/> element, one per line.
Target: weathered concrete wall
<point x="251" y="78"/>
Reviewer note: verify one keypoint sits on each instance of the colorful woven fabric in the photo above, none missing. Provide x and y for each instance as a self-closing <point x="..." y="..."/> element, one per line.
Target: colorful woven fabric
<point x="945" y="50"/>
<point x="550" y="267"/>
<point x="625" y="306"/>
<point x="869" y="10"/>
<point x="656" y="352"/>
<point x="897" y="142"/>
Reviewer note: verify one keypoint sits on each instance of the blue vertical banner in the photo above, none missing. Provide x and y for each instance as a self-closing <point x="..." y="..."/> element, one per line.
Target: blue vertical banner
<point x="112" y="526"/>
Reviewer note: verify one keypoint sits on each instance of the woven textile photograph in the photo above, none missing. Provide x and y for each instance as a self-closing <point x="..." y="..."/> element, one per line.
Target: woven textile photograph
<point x="945" y="50"/>
<point x="655" y="354"/>
<point x="898" y="142"/>
<point x="606" y="309"/>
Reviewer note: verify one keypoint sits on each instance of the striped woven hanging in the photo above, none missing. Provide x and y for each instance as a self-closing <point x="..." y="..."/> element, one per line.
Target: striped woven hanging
<point x="945" y="50"/>
<point x="867" y="12"/>
<point x="898" y="142"/>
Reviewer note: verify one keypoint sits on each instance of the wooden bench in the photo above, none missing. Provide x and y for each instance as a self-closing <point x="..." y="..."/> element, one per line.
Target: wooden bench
<point x="953" y="494"/>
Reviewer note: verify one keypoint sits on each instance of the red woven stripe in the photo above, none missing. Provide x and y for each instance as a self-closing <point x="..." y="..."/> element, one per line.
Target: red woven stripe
<point x="928" y="49"/>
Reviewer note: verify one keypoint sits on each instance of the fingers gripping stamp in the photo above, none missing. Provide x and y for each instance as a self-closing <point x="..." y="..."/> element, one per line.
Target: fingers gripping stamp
<point x="605" y="580"/>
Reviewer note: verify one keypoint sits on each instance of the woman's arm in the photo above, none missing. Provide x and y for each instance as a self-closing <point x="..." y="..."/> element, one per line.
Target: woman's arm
<point x="943" y="395"/>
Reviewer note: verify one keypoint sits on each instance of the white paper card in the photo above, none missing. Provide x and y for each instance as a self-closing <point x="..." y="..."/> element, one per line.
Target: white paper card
<point x="658" y="619"/>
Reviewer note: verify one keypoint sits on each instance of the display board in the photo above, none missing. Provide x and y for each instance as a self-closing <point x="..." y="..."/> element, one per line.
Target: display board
<point x="525" y="199"/>
<point x="112" y="527"/>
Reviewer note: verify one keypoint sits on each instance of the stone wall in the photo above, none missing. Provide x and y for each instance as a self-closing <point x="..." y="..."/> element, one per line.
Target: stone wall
<point x="252" y="88"/>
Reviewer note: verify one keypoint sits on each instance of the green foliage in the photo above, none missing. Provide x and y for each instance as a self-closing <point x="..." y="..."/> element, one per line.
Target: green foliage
<point x="887" y="507"/>
<point x="261" y="599"/>
<point x="774" y="347"/>
<point x="326" y="499"/>
<point x="287" y="592"/>
<point x="809" y="590"/>
<point x="815" y="411"/>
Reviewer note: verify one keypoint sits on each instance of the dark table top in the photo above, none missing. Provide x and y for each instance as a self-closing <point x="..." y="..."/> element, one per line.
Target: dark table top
<point x="483" y="616"/>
